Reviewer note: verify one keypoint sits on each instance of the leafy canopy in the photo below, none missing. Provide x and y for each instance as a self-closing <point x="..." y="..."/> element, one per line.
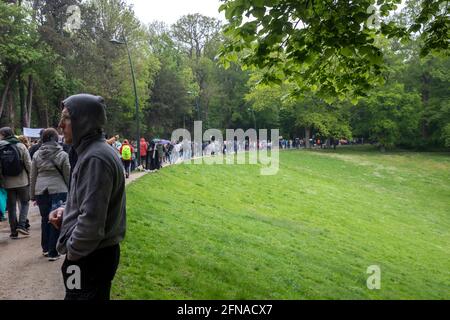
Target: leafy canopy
<point x="324" y="46"/>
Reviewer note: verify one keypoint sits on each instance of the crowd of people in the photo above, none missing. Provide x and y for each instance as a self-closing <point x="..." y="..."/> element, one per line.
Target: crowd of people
<point x="77" y="180"/>
<point x="45" y="172"/>
<point x="317" y="142"/>
<point x="156" y="153"/>
<point x="78" y="183"/>
<point x="153" y="154"/>
<point x="39" y="171"/>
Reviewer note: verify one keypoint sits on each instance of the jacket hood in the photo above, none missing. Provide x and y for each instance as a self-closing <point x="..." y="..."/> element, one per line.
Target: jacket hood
<point x="49" y="150"/>
<point x="12" y="140"/>
<point x="87" y="114"/>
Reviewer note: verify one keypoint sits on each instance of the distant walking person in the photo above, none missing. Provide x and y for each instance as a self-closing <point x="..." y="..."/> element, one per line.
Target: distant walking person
<point x="50" y="175"/>
<point x="159" y="155"/>
<point x="15" y="165"/>
<point x="35" y="147"/>
<point x="93" y="220"/>
<point x="153" y="156"/>
<point x="127" y="156"/>
<point x="143" y="152"/>
<point x="24" y="140"/>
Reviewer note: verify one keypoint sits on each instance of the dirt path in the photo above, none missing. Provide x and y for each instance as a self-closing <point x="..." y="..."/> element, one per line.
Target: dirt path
<point x="24" y="273"/>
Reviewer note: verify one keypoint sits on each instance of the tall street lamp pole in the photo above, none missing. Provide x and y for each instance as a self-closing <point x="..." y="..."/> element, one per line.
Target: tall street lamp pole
<point x="254" y="117"/>
<point x="136" y="101"/>
<point x="197" y="103"/>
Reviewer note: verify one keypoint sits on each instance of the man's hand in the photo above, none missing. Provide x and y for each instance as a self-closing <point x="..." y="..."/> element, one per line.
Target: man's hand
<point x="55" y="217"/>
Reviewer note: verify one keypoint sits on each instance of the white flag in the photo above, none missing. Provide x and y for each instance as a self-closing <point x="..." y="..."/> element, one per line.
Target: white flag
<point x="32" y="133"/>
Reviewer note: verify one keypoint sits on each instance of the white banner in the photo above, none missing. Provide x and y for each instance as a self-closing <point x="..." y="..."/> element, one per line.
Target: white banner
<point x="32" y="133"/>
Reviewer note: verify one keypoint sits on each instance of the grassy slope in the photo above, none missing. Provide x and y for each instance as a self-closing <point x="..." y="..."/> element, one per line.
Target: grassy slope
<point x="309" y="232"/>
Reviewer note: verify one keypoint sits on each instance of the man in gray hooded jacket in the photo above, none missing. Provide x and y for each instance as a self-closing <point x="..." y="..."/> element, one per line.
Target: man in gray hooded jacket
<point x="92" y="223"/>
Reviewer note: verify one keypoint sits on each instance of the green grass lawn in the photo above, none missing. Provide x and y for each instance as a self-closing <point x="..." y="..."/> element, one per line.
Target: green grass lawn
<point x="309" y="232"/>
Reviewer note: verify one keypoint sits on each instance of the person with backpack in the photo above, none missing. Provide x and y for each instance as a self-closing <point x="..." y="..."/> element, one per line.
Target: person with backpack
<point x="126" y="152"/>
<point x="15" y="166"/>
<point x="50" y="175"/>
<point x="143" y="149"/>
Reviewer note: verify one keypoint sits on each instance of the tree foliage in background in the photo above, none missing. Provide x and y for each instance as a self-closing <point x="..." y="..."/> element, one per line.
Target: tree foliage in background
<point x="64" y="63"/>
<point x="313" y="69"/>
<point x="325" y="47"/>
<point x="20" y="51"/>
<point x="390" y="116"/>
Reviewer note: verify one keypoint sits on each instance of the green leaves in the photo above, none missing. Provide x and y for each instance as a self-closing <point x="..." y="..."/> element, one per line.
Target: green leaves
<point x="322" y="43"/>
<point x="346" y="51"/>
<point x="389" y="115"/>
<point x="19" y="38"/>
<point x="259" y="12"/>
<point x="248" y="31"/>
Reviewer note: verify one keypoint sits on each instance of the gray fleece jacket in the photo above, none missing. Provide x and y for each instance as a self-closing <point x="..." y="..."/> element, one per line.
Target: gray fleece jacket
<point x="94" y="216"/>
<point x="44" y="174"/>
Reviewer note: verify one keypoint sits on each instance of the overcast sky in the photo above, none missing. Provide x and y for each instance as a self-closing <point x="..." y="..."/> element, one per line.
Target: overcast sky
<point x="170" y="11"/>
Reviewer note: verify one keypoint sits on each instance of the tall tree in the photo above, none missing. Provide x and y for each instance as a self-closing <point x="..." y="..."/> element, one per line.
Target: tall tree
<point x="19" y="48"/>
<point x="194" y="31"/>
<point x="389" y="116"/>
<point x="328" y="47"/>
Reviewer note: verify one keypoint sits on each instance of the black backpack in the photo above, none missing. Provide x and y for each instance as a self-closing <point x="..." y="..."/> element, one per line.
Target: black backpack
<point x="12" y="165"/>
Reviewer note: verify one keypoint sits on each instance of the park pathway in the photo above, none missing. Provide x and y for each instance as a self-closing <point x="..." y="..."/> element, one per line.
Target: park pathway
<point x="24" y="273"/>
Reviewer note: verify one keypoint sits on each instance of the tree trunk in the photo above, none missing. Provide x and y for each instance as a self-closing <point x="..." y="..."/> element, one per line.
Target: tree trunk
<point x="307" y="137"/>
<point x="22" y="103"/>
<point x="11" y="110"/>
<point x="198" y="50"/>
<point x="44" y="118"/>
<point x="25" y="101"/>
<point x="29" y="100"/>
<point x="11" y="75"/>
<point x="207" y="112"/>
<point x="41" y="110"/>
